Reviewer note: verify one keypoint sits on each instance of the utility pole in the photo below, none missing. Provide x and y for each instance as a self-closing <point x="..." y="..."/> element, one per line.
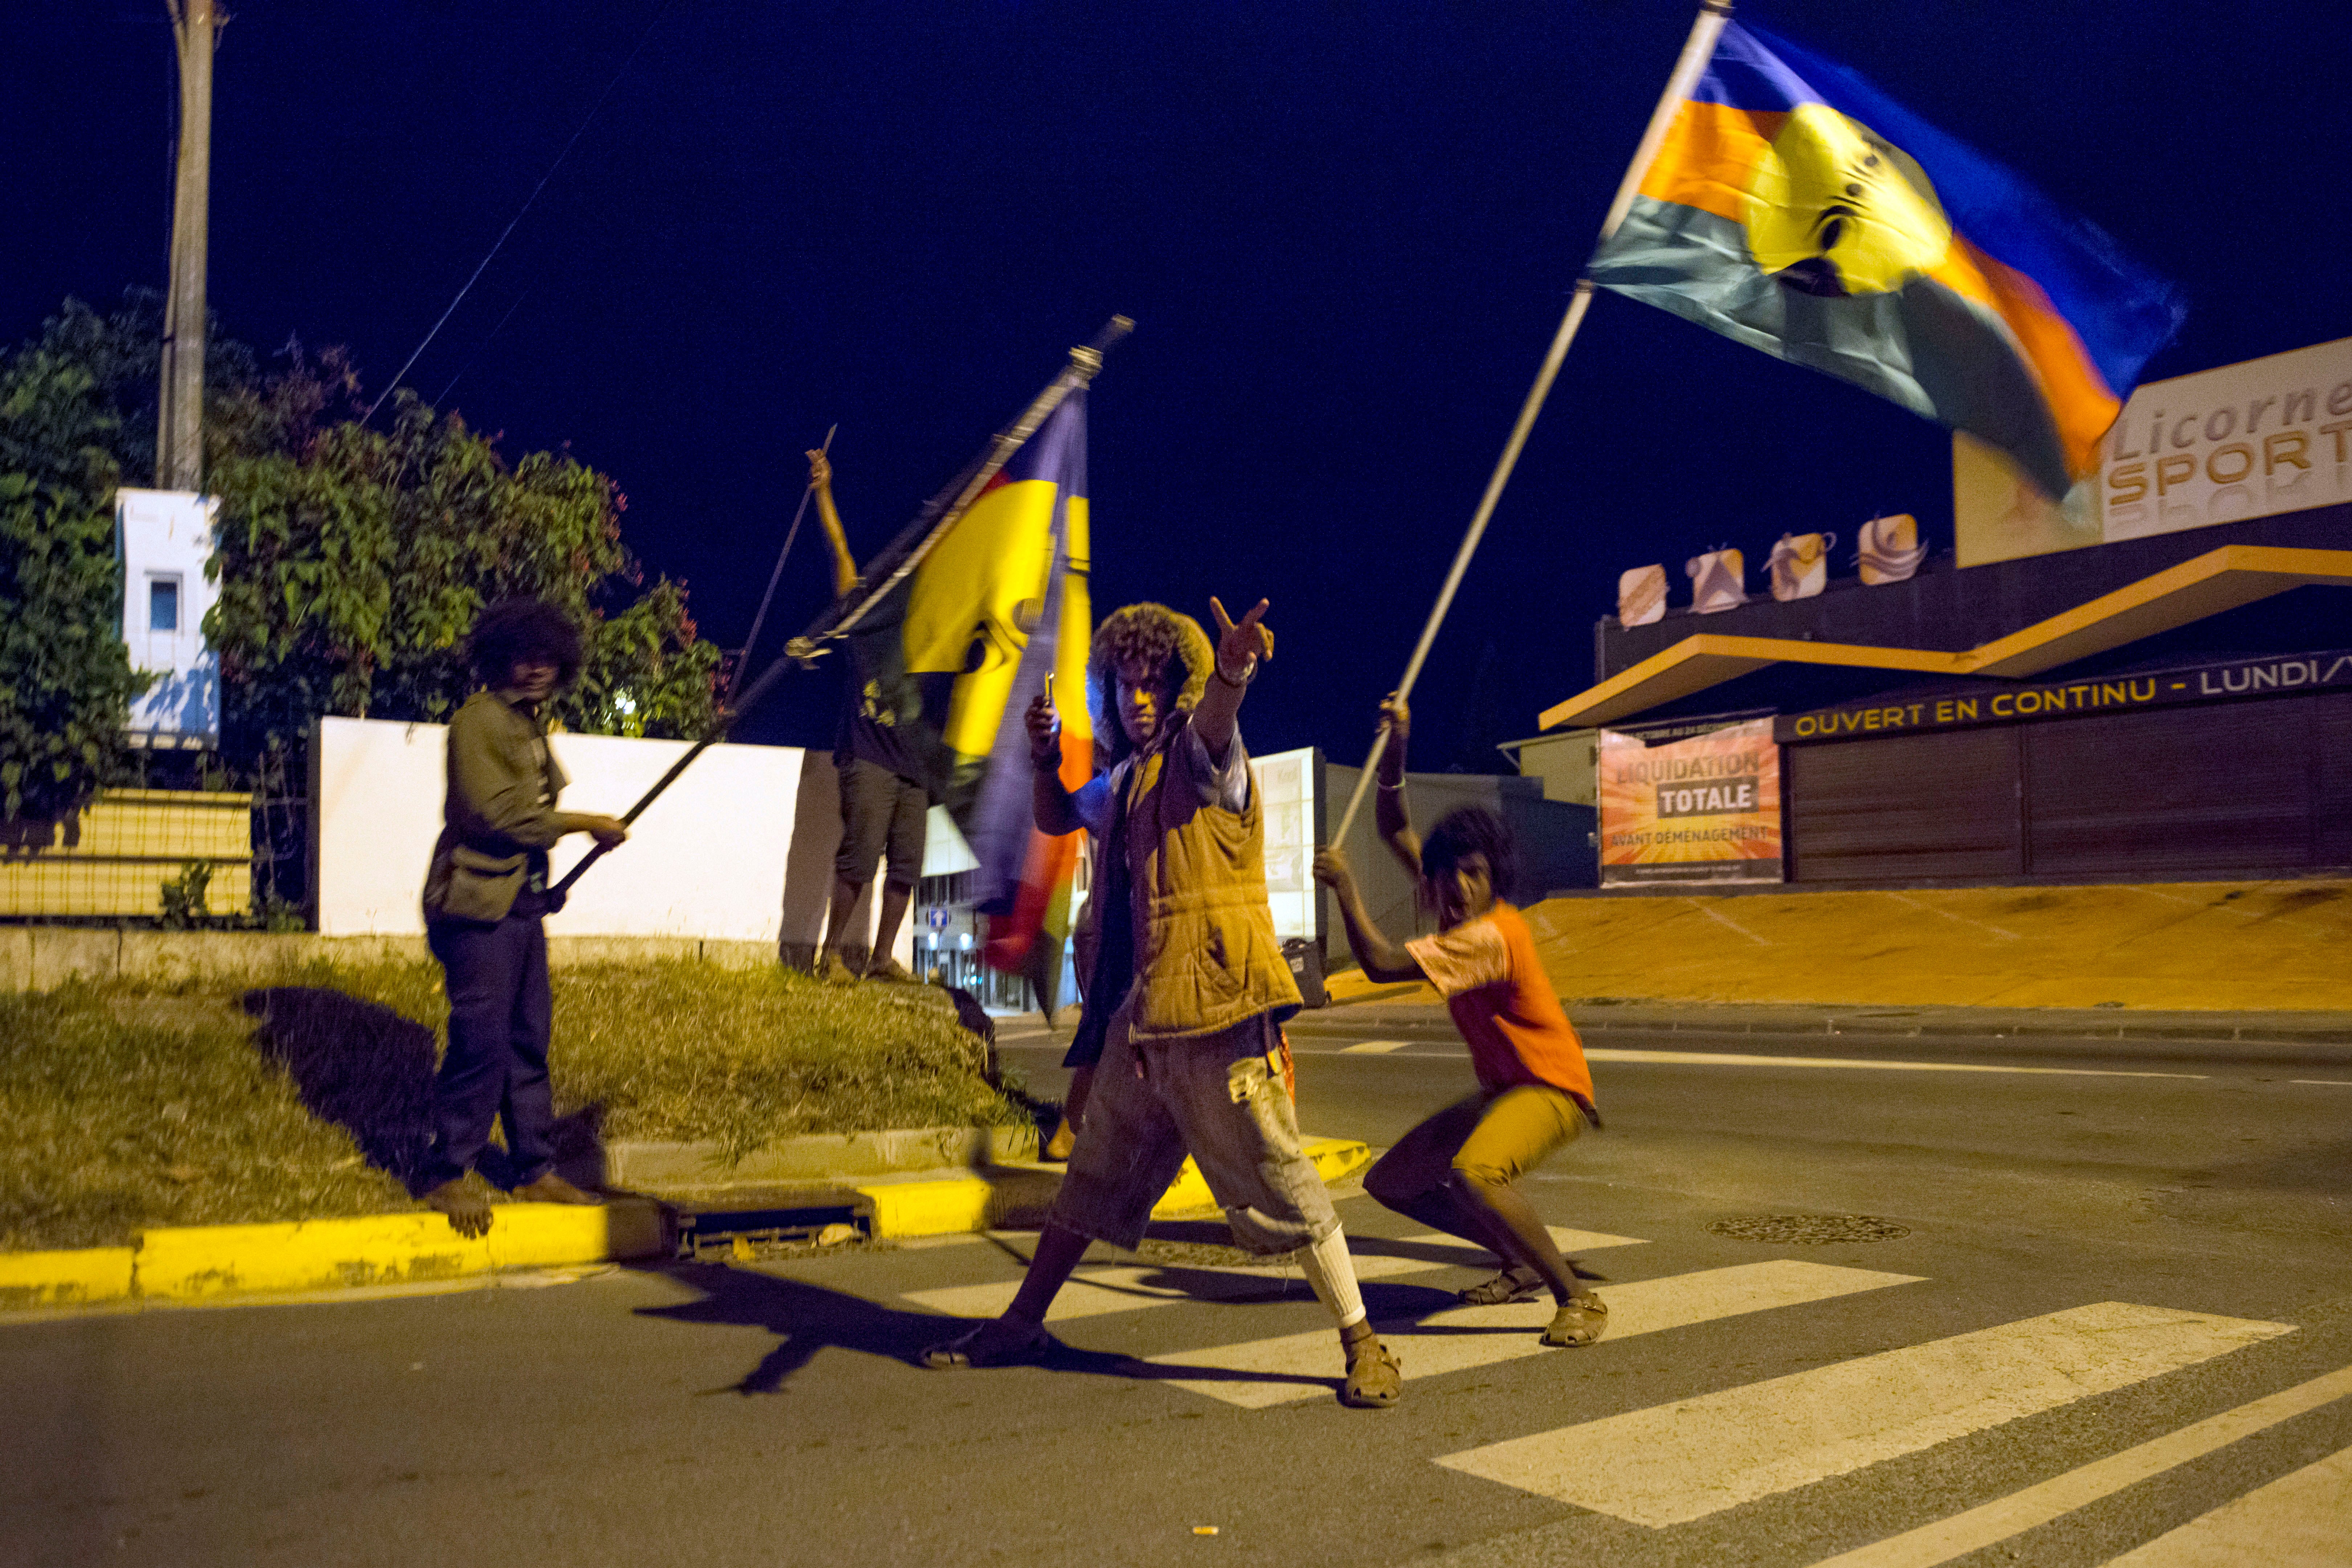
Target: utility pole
<point x="179" y="429"/>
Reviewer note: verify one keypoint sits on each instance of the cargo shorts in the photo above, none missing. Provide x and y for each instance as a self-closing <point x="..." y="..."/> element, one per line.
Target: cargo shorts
<point x="1218" y="1096"/>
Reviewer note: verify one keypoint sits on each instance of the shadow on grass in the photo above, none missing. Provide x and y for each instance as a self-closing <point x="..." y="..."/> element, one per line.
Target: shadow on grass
<point x="369" y="1070"/>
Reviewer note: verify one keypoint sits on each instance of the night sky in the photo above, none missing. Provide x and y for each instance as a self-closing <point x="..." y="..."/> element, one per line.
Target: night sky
<point x="1346" y="232"/>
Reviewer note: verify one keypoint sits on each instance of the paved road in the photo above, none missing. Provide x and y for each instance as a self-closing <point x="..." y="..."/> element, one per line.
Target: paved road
<point x="2118" y="1327"/>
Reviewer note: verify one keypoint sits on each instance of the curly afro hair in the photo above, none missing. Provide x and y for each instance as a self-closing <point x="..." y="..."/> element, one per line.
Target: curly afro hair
<point x="1471" y="830"/>
<point x="1158" y="639"/>
<point x="515" y="629"/>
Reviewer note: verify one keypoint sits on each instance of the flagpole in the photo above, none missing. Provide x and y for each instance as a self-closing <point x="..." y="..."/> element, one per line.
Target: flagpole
<point x="1086" y="360"/>
<point x="1697" y="49"/>
<point x="736" y="679"/>
<point x="950" y="504"/>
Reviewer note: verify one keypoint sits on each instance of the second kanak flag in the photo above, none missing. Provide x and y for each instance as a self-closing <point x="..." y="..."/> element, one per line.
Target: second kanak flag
<point x="1796" y="208"/>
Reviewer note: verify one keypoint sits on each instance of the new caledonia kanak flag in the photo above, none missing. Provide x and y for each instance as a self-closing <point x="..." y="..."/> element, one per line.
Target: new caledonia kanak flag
<point x="1796" y="208"/>
<point x="965" y="643"/>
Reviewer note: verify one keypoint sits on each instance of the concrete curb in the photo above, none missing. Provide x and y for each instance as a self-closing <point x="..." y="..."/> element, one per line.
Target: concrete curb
<point x="817" y="1157"/>
<point x="2322" y="1040"/>
<point x="196" y="1263"/>
<point x="186" y="1264"/>
<point x="1013" y="1193"/>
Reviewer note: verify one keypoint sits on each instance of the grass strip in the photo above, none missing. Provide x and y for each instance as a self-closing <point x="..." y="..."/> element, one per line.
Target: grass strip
<point x="129" y="1105"/>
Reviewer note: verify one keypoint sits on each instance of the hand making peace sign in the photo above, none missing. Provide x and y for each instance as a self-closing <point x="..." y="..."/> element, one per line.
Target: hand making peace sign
<point x="1241" y="646"/>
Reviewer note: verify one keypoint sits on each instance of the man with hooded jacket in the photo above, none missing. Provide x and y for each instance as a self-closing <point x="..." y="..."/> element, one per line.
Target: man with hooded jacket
<point x="1189" y="987"/>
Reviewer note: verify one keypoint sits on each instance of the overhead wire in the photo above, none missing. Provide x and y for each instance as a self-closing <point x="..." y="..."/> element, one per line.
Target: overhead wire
<point x="443" y="396"/>
<point x="589" y="119"/>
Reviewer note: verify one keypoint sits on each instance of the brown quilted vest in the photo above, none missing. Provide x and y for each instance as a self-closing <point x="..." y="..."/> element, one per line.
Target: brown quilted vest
<point x="1205" y="952"/>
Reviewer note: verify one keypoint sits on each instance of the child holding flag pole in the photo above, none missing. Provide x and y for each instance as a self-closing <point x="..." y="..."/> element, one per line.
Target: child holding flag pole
<point x="1458" y="1171"/>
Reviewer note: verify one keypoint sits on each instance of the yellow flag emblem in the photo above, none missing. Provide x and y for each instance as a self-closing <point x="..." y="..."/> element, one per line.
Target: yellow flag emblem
<point x="1835" y="209"/>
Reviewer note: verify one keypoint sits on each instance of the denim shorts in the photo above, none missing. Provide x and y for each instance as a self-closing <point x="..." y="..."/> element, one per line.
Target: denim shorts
<point x="1219" y="1097"/>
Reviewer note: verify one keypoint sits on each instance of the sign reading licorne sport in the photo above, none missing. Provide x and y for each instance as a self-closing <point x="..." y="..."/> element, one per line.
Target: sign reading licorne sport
<point x="2268" y="436"/>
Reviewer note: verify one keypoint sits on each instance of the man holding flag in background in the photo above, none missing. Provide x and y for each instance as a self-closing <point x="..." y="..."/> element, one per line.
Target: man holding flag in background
<point x="885" y="801"/>
<point x="973" y="622"/>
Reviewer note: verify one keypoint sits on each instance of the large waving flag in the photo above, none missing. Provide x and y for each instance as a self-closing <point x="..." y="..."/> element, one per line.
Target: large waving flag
<point x="1796" y="208"/>
<point x="998" y="602"/>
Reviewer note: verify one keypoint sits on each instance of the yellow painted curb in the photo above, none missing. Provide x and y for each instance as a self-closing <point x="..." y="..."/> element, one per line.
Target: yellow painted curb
<point x="960" y="1204"/>
<point x="194" y="1263"/>
<point x="75" y="1279"/>
<point x="200" y="1261"/>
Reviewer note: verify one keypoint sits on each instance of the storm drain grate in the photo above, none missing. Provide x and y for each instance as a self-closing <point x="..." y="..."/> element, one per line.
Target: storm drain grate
<point x="1809" y="1229"/>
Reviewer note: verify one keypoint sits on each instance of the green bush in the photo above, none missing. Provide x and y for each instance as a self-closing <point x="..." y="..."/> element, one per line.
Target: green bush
<point x="66" y="682"/>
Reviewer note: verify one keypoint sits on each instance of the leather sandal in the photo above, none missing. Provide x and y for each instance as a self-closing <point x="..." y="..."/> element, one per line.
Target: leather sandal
<point x="1578" y="1322"/>
<point x="1513" y="1284"/>
<point x="1375" y="1379"/>
<point x="965" y="1350"/>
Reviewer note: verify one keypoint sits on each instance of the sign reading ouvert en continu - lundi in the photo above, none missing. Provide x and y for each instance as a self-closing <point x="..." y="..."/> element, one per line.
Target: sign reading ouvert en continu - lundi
<point x="2222" y="681"/>
<point x="1705" y="809"/>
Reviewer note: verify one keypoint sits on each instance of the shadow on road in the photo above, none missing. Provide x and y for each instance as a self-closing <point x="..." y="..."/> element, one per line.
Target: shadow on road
<point x="808" y="1318"/>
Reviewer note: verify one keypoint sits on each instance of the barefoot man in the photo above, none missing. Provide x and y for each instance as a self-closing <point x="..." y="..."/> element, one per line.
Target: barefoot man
<point x="484" y="896"/>
<point x="1187" y="988"/>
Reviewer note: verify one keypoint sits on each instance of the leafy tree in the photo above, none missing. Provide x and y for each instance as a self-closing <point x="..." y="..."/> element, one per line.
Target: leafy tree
<point x="352" y="558"/>
<point x="353" y="561"/>
<point x="66" y="681"/>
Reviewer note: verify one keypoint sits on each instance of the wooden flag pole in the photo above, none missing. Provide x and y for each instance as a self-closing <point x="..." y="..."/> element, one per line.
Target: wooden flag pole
<point x="1697" y="51"/>
<point x="790" y="533"/>
<point x="946" y="506"/>
<point x="940" y="512"/>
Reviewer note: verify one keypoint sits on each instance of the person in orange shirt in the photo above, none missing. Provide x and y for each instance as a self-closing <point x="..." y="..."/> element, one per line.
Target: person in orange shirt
<point x="1458" y="1171"/>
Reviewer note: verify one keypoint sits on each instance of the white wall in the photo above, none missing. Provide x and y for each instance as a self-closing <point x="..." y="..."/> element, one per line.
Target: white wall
<point x="166" y="537"/>
<point x="1287" y="782"/>
<point x="739" y="849"/>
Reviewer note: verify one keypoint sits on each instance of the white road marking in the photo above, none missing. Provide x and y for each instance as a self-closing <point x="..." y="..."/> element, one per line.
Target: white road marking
<point x="1471" y="1337"/>
<point x="1732" y="1059"/>
<point x="1721" y="919"/>
<point x="2036" y="1505"/>
<point x="1376" y="1047"/>
<point x="2338" y="1082"/>
<point x="2300" y="1520"/>
<point x="1675" y="1463"/>
<point x="1092" y="1292"/>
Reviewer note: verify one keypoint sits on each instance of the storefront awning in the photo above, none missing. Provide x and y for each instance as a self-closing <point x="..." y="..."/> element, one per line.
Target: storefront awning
<point x="2206" y="585"/>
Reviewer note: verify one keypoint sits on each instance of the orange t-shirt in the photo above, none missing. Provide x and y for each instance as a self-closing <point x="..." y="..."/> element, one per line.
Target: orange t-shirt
<point x="1504" y="1004"/>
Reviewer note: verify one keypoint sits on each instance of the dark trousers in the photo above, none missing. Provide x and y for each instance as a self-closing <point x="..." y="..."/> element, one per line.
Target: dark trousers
<point x="500" y="1014"/>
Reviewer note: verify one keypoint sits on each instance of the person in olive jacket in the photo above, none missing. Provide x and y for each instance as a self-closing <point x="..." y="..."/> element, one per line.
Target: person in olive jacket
<point x="485" y="896"/>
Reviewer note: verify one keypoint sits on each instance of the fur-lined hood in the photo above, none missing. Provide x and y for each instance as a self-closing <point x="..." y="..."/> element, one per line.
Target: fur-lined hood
<point x="1121" y="627"/>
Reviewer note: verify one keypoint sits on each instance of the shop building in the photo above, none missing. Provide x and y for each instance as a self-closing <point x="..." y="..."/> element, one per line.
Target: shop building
<point x="2109" y="689"/>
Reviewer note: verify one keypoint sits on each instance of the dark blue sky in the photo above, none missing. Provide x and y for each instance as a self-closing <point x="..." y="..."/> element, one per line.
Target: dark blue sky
<point x="1345" y="231"/>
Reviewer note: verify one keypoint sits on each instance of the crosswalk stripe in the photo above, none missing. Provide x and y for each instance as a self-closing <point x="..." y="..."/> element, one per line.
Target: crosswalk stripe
<point x="1374" y="1047"/>
<point x="2036" y="1505"/>
<point x="1092" y="1292"/>
<point x="2300" y="1520"/>
<point x="1868" y="1063"/>
<point x="1682" y="1461"/>
<point x="1301" y="1366"/>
